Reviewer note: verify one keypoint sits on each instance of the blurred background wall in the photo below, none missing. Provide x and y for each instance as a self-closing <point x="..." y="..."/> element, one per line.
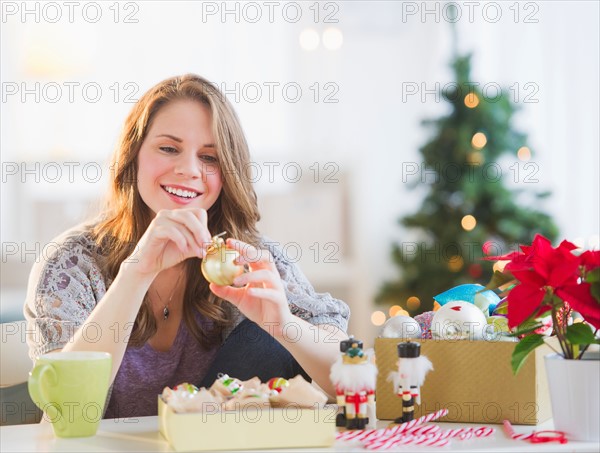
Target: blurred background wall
<point x="322" y="90"/>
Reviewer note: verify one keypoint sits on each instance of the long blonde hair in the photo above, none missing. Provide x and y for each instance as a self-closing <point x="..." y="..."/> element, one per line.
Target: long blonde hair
<point x="126" y="217"/>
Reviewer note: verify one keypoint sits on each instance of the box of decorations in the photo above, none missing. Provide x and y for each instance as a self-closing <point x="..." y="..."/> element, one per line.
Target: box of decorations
<point x="233" y="415"/>
<point x="468" y="344"/>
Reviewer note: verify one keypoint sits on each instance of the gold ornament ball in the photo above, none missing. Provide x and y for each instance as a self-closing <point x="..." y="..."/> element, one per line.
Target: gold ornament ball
<point x="218" y="265"/>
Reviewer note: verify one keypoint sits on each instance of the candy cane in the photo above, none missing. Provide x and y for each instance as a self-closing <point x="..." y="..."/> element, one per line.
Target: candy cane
<point x="484" y="431"/>
<point x="417" y="433"/>
<point x="361" y="434"/>
<point x="425" y="429"/>
<point x="511" y="432"/>
<point x="420" y="435"/>
<point x="449" y="433"/>
<point x="466" y="435"/>
<point x="404" y="427"/>
<point x="430" y="441"/>
<point x="389" y="441"/>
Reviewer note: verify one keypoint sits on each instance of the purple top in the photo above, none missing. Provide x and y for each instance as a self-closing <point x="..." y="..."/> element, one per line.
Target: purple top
<point x="185" y="361"/>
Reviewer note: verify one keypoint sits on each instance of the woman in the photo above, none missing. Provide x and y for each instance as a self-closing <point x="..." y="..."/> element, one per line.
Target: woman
<point x="129" y="283"/>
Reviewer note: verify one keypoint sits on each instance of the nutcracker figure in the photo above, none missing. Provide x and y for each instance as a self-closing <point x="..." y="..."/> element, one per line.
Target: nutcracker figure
<point x="354" y="376"/>
<point x="412" y="369"/>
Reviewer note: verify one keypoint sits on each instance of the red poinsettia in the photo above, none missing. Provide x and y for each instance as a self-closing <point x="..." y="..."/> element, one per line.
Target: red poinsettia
<point x="543" y="271"/>
<point x="555" y="280"/>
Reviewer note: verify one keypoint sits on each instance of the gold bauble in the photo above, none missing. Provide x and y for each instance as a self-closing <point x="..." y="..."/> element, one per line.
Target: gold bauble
<point x="218" y="265"/>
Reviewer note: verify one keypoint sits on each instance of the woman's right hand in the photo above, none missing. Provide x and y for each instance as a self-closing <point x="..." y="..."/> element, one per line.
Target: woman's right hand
<point x="172" y="237"/>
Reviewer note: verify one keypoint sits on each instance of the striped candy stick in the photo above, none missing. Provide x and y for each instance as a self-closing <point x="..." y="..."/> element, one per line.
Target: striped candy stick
<point x="511" y="432"/>
<point x="450" y="433"/>
<point x="404" y="427"/>
<point x="433" y="440"/>
<point x="484" y="431"/>
<point x="362" y="434"/>
<point x="466" y="435"/>
<point x="385" y="444"/>
<point x="431" y="432"/>
<point x="427" y="430"/>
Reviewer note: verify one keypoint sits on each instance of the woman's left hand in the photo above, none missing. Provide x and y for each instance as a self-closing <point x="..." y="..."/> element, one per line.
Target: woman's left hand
<point x="258" y="294"/>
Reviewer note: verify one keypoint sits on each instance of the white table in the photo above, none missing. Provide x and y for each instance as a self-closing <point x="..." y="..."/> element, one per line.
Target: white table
<point x="141" y="434"/>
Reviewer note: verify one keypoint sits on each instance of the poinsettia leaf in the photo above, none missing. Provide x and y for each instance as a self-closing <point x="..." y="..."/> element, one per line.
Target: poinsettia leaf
<point x="593" y="276"/>
<point x="581" y="334"/>
<point x="595" y="290"/>
<point x="499" y="279"/>
<point x="523" y="349"/>
<point x="526" y="327"/>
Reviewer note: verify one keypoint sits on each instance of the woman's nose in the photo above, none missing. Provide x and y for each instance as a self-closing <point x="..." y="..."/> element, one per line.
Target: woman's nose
<point x="187" y="164"/>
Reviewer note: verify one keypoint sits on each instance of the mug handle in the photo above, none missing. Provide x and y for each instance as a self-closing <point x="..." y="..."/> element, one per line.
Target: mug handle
<point x="44" y="373"/>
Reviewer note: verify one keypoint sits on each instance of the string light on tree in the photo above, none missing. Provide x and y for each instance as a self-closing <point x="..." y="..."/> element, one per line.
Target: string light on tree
<point x="394" y="309"/>
<point x="402" y="312"/>
<point x="413" y="302"/>
<point x="468" y="222"/>
<point x="479" y="140"/>
<point x="486" y="248"/>
<point x="456" y="263"/>
<point x="475" y="270"/>
<point x="475" y="158"/>
<point x="524" y="153"/>
<point x="471" y="100"/>
<point x="378" y="318"/>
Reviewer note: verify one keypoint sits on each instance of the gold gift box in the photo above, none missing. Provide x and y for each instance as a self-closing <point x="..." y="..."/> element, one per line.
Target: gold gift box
<point x="247" y="428"/>
<point x="472" y="379"/>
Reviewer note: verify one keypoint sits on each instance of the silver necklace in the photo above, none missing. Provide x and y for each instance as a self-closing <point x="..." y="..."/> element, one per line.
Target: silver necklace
<point x="166" y="311"/>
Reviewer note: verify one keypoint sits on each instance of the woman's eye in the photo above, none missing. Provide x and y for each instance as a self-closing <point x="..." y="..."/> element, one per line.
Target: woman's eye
<point x="208" y="158"/>
<point x="168" y="149"/>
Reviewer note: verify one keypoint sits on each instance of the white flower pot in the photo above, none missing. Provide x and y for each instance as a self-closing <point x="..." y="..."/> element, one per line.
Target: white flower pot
<point x="575" y="395"/>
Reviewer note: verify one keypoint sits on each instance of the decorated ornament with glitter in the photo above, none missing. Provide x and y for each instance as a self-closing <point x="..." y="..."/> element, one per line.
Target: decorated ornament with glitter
<point x="485" y="300"/>
<point x="400" y="327"/>
<point x="277" y="384"/>
<point x="218" y="265"/>
<point x="424" y="320"/>
<point x="458" y="320"/>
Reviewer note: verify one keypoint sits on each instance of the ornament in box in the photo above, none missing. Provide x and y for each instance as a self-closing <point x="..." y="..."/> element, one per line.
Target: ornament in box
<point x="400" y="327"/>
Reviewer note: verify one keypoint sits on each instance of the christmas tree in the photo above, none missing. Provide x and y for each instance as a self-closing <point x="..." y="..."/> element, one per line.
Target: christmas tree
<point x="468" y="211"/>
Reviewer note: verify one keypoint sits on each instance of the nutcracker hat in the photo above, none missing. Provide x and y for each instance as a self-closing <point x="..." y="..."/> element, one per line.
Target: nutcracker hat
<point x="409" y="350"/>
<point x="353" y="351"/>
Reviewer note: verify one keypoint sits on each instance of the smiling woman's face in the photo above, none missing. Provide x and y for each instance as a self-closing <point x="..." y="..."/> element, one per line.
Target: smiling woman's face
<point x="177" y="163"/>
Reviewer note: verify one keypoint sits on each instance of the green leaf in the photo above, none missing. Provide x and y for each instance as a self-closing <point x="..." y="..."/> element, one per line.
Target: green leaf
<point x="595" y="290"/>
<point x="593" y="276"/>
<point x="527" y="327"/>
<point x="523" y="348"/>
<point x="498" y="279"/>
<point x="581" y="334"/>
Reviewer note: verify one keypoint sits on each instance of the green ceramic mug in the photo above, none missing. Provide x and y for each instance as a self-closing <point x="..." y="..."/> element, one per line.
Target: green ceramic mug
<point x="71" y="389"/>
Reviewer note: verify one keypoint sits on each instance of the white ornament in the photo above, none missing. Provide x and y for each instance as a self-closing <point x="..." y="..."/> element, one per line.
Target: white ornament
<point x="458" y="320"/>
<point x="400" y="327"/>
